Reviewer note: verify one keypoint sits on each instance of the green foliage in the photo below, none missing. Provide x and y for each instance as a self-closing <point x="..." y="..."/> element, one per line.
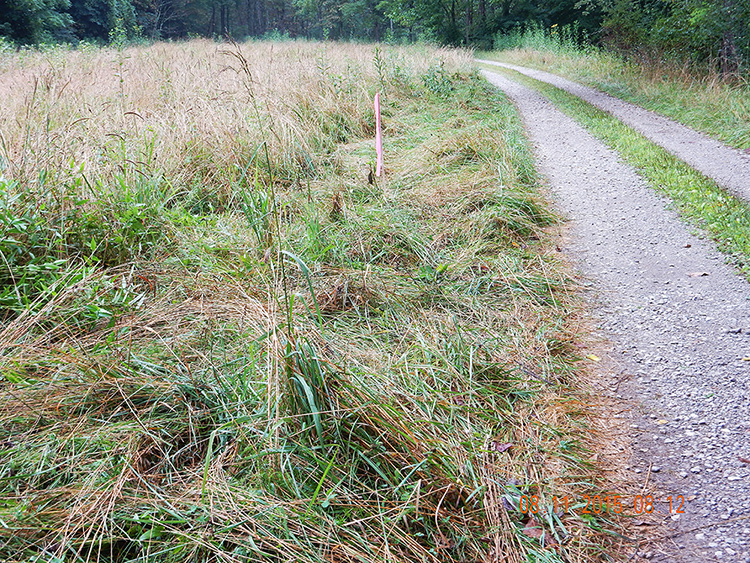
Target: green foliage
<point x="276" y="35"/>
<point x="101" y="19"/>
<point x="437" y="80"/>
<point x="458" y="22"/>
<point x="705" y="30"/>
<point x="42" y="242"/>
<point x="713" y="31"/>
<point x="35" y="21"/>
<point x="29" y="266"/>
<point x="556" y="39"/>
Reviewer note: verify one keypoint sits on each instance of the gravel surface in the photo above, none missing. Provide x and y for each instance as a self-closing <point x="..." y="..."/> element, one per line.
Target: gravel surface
<point x="728" y="167"/>
<point x="678" y="318"/>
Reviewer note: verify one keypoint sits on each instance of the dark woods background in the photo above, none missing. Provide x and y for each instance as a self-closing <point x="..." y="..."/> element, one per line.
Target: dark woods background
<point x="695" y="31"/>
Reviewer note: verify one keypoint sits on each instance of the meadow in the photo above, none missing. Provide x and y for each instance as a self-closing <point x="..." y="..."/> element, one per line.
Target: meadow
<point x="223" y="338"/>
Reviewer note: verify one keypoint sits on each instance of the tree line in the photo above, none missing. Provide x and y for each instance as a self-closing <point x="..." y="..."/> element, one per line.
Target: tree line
<point x="697" y="31"/>
<point x="692" y="30"/>
<point x="450" y="22"/>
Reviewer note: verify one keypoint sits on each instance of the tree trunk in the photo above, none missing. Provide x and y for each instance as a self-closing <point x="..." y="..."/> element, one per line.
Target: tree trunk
<point x="260" y="18"/>
<point x="729" y="57"/>
<point x="455" y="34"/>
<point x="252" y="29"/>
<point x="729" y="54"/>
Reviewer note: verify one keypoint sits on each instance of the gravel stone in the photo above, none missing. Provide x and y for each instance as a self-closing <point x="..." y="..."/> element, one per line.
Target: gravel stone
<point x="627" y="241"/>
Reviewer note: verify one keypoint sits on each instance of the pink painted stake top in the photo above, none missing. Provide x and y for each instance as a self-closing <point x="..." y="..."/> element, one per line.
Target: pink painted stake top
<point x="378" y="137"/>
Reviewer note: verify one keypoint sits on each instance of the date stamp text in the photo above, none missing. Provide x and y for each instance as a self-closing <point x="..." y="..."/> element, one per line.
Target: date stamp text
<point x="605" y="504"/>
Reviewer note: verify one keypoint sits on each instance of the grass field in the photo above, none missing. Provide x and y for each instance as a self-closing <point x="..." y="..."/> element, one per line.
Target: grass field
<point x="223" y="339"/>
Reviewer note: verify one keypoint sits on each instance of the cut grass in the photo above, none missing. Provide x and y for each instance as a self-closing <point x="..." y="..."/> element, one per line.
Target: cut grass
<point x="724" y="217"/>
<point x="706" y="103"/>
<point x="284" y="359"/>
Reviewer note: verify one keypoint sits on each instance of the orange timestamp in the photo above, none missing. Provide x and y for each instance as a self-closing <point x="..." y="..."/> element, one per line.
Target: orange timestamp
<point x="604" y="504"/>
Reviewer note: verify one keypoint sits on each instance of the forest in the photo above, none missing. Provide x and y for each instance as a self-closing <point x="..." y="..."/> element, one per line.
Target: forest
<point x="691" y="31"/>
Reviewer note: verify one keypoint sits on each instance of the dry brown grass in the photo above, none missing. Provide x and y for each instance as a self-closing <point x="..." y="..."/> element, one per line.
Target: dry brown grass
<point x="191" y="112"/>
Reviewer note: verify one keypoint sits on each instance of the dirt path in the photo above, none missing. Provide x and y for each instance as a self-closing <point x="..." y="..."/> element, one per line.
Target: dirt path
<point x="728" y="167"/>
<point x="682" y="336"/>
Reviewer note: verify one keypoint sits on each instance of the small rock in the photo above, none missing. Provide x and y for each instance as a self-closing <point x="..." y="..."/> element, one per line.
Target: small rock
<point x="655" y="469"/>
<point x="695" y="469"/>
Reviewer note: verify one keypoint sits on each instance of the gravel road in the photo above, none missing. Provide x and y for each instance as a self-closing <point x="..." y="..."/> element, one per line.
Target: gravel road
<point x="678" y="319"/>
<point x="728" y="167"/>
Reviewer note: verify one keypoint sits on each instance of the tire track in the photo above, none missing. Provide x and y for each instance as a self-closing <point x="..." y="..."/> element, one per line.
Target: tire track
<point x="682" y="336"/>
<point x="728" y="167"/>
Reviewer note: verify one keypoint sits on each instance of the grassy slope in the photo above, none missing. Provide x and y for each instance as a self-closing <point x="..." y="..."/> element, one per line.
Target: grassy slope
<point x="222" y="342"/>
<point x="706" y="104"/>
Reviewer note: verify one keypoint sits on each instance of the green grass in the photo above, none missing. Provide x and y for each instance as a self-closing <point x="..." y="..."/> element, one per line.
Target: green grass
<point x="700" y="200"/>
<point x="222" y="341"/>
<point x="707" y="103"/>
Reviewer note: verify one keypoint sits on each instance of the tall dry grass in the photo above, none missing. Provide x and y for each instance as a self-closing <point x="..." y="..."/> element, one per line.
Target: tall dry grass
<point x="190" y="112"/>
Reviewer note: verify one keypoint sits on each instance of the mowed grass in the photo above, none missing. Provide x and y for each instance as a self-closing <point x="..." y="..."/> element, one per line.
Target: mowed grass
<point x="704" y="101"/>
<point x="224" y="339"/>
